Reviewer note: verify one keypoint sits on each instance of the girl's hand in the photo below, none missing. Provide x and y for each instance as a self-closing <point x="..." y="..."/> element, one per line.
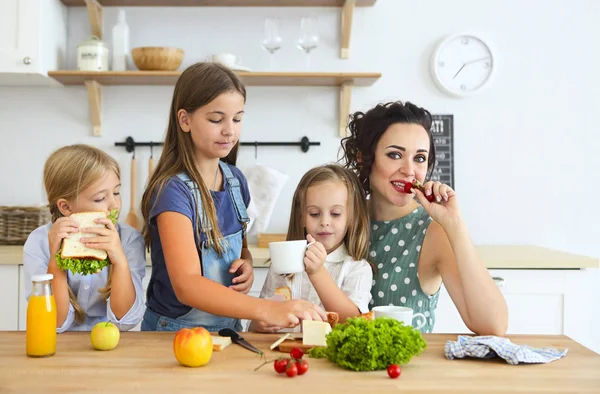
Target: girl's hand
<point x="245" y="275"/>
<point x="61" y="229"/>
<point x="445" y="210"/>
<point x="314" y="258"/>
<point x="290" y="313"/>
<point x="261" y="326"/>
<point x="107" y="238"/>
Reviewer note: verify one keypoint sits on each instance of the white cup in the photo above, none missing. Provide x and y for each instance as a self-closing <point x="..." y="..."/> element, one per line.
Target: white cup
<point x="400" y="313"/>
<point x="287" y="257"/>
<point x="227" y="59"/>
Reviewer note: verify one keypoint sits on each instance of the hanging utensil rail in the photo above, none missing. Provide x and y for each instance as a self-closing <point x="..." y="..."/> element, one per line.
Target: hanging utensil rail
<point x="304" y="144"/>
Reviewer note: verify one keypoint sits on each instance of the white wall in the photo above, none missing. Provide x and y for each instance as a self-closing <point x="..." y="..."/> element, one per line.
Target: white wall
<point x="525" y="150"/>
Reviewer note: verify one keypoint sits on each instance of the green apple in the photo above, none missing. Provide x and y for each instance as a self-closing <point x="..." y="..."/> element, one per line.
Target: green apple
<point x="105" y="336"/>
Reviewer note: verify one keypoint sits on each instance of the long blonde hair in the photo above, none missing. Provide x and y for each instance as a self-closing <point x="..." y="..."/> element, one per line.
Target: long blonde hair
<point x="196" y="87"/>
<point x="67" y="173"/>
<point x="357" y="235"/>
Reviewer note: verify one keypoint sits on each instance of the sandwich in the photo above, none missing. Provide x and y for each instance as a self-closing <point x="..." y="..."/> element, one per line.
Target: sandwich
<point x="74" y="256"/>
<point x="285" y="292"/>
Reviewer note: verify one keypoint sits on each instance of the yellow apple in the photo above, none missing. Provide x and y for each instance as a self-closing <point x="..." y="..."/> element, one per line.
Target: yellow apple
<point x="105" y="336"/>
<point x="193" y="347"/>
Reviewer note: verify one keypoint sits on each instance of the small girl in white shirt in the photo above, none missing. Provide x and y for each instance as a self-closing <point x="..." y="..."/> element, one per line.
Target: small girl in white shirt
<point x="329" y="208"/>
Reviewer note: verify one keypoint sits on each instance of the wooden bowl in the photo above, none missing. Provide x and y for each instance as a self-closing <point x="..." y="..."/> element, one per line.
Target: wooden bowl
<point x="157" y="58"/>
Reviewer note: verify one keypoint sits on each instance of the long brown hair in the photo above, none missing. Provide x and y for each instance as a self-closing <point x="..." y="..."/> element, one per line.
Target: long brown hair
<point x="357" y="235"/>
<point x="67" y="173"/>
<point x="196" y="87"/>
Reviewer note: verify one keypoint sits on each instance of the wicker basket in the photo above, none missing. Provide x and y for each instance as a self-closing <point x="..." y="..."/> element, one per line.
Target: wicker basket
<point x="17" y="222"/>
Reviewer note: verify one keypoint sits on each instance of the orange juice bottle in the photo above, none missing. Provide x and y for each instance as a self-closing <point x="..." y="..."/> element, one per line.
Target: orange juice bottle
<point x="41" y="318"/>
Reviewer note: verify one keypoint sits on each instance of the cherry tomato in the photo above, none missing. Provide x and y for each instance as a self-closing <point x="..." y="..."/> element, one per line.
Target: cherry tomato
<point x="291" y="370"/>
<point x="296" y="353"/>
<point x="394" y="371"/>
<point x="302" y="367"/>
<point x="280" y="365"/>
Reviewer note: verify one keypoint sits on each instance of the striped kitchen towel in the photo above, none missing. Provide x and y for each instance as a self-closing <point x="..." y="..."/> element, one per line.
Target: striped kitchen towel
<point x="490" y="347"/>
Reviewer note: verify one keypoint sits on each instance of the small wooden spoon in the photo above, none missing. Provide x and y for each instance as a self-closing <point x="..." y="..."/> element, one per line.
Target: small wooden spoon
<point x="132" y="218"/>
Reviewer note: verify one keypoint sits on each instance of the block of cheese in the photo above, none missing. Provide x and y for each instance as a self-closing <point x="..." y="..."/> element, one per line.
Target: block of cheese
<point x="220" y="343"/>
<point x="313" y="332"/>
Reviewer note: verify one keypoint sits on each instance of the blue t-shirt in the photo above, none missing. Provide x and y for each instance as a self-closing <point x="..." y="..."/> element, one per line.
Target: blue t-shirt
<point x="177" y="197"/>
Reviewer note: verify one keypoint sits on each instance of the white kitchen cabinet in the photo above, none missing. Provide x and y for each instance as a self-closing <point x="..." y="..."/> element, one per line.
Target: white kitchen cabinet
<point x="32" y="40"/>
<point x="9" y="288"/>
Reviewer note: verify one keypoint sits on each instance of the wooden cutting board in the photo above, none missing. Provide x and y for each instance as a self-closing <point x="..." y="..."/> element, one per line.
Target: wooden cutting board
<point x="265" y="238"/>
<point x="287" y="345"/>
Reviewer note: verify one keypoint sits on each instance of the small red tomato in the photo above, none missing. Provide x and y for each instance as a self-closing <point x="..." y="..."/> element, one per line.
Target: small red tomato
<point x="302" y="367"/>
<point x="291" y="370"/>
<point x="280" y="365"/>
<point x="296" y="353"/>
<point x="394" y="371"/>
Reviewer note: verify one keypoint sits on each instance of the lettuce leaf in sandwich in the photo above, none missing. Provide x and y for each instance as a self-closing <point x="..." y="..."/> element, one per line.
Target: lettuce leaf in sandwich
<point x="80" y="259"/>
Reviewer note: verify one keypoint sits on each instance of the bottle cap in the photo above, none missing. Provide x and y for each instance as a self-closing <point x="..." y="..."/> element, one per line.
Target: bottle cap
<point x="42" y="277"/>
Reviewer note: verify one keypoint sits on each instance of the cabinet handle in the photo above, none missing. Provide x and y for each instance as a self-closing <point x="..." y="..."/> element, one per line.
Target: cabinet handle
<point x="499" y="281"/>
<point x="27" y="60"/>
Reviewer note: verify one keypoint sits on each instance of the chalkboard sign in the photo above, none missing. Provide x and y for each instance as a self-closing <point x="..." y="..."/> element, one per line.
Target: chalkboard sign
<point x="442" y="130"/>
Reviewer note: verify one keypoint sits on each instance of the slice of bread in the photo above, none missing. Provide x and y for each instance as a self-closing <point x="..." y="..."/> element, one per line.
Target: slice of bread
<point x="367" y="316"/>
<point x="72" y="246"/>
<point x="285" y="292"/>
<point x="332" y="318"/>
<point x="220" y="343"/>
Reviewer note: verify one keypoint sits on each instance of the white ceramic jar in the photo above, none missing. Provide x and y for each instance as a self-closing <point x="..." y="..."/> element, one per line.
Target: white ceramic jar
<point x="92" y="55"/>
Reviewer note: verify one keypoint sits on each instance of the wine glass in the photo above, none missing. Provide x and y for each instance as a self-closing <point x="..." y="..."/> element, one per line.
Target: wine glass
<point x="272" y="39"/>
<point x="309" y="36"/>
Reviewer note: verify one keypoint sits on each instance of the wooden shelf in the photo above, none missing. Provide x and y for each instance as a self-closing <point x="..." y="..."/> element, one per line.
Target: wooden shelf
<point x="347" y="10"/>
<point x="222" y="3"/>
<point x="72" y="77"/>
<point x="94" y="80"/>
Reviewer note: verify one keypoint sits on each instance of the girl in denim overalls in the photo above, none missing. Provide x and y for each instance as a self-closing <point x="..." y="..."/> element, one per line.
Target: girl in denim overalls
<point x="195" y="215"/>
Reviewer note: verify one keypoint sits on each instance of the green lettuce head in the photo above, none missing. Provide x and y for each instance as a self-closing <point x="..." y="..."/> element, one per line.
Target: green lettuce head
<point x="371" y="345"/>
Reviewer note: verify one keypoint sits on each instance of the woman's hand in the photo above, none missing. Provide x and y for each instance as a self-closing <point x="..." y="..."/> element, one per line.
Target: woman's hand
<point x="445" y="209"/>
<point x="107" y="238"/>
<point x="290" y="313"/>
<point x="314" y="258"/>
<point x="61" y="228"/>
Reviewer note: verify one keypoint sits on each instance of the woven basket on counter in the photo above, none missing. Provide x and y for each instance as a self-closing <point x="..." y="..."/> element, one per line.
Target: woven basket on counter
<point x="17" y="222"/>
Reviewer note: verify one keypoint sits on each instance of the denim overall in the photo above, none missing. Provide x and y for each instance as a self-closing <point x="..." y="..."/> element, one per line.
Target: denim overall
<point x="214" y="266"/>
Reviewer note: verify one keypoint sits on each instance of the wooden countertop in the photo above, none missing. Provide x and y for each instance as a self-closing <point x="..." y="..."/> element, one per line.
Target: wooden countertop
<point x="494" y="257"/>
<point x="144" y="362"/>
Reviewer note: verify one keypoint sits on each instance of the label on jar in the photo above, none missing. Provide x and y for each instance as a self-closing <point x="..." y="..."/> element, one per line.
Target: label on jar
<point x="92" y="59"/>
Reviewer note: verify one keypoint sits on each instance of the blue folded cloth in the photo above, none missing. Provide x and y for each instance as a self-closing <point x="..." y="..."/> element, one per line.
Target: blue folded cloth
<point x="490" y="347"/>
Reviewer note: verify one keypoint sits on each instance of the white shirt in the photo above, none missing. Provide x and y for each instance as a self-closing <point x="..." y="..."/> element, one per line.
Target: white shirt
<point x="36" y="256"/>
<point x="354" y="278"/>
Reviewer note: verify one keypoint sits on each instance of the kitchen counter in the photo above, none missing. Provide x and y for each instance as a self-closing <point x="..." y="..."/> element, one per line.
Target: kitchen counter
<point x="496" y="257"/>
<point x="144" y="362"/>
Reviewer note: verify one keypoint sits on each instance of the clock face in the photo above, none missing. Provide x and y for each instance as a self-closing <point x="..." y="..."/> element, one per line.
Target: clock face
<point x="462" y="65"/>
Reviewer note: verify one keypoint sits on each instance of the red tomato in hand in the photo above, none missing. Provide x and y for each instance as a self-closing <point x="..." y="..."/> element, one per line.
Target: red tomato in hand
<point x="394" y="371"/>
<point x="296" y="353"/>
<point x="280" y="365"/>
<point x="302" y="367"/>
<point x="291" y="370"/>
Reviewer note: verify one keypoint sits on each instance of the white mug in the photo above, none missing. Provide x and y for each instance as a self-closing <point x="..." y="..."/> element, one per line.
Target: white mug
<point x="287" y="257"/>
<point x="400" y="313"/>
<point x="227" y="59"/>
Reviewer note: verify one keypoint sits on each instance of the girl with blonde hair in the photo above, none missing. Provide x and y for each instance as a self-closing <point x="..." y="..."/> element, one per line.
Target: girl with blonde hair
<point x="195" y="215"/>
<point x="328" y="210"/>
<point x="81" y="178"/>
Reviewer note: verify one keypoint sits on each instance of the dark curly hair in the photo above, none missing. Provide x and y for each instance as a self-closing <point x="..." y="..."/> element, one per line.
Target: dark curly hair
<point x="367" y="128"/>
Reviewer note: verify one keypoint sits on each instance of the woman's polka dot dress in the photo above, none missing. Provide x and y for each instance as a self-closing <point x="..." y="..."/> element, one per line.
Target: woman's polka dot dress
<point x="395" y="249"/>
